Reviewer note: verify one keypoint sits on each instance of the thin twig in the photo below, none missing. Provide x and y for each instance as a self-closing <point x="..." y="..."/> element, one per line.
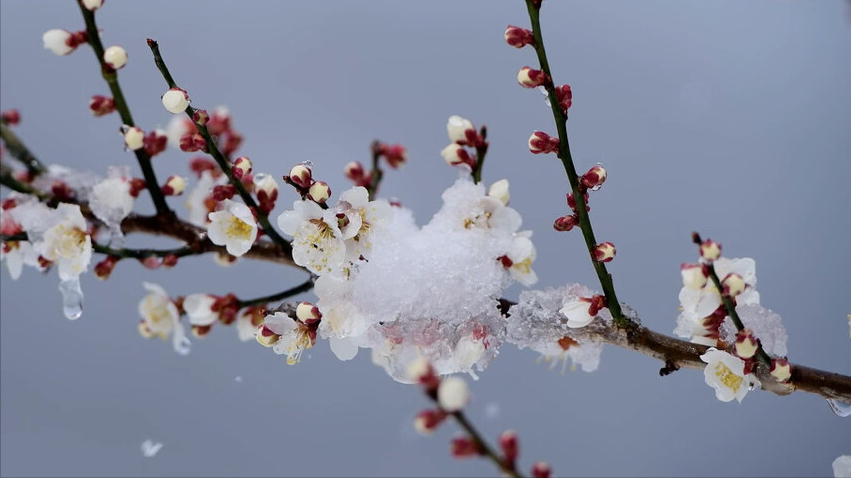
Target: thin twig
<point x="567" y="161"/>
<point x="303" y="287"/>
<point x="17" y="149"/>
<point x="486" y="449"/>
<point x="111" y="77"/>
<point x="481" y="152"/>
<point x="223" y="163"/>
<point x="376" y="174"/>
<point x="127" y="253"/>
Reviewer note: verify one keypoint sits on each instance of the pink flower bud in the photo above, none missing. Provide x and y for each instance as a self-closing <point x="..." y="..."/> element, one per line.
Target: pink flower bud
<point x="427" y="421"/>
<point x="604" y="252"/>
<point x="241" y="166"/>
<point x="395" y="154"/>
<point x="542" y="143"/>
<point x="541" y="470"/>
<point x="134" y="138"/>
<point x="199" y="165"/>
<point x="594" y="178"/>
<point x="155" y="142"/>
<point x="104" y="268"/>
<point x="694" y="276"/>
<point x="510" y="446"/>
<point x="266" y="337"/>
<point x="746" y="344"/>
<point x="565" y="223"/>
<point x="319" y="192"/>
<point x="571" y="202"/>
<point x="170" y="261"/>
<point x="301" y="176"/>
<point x="465" y="447"/>
<point x="136" y="186"/>
<point x="175" y="100"/>
<point x="518" y="37"/>
<point x="174" y="186"/>
<point x="455" y="154"/>
<point x="530" y="78"/>
<point x="354" y="171"/>
<point x="710" y="250"/>
<point x="564" y="96"/>
<point x="151" y="262"/>
<point x="223" y="191"/>
<point x="307" y="313"/>
<point x="101" y="105"/>
<point x="192" y="142"/>
<point x="11" y="117"/>
<point x="115" y="57"/>
<point x="781" y="370"/>
<point x="201" y="117"/>
<point x="733" y="284"/>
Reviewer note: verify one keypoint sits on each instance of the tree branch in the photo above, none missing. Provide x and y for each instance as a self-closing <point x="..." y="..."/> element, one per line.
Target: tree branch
<point x="111" y="77"/>
<point x="18" y="149"/>
<point x="304" y="287"/>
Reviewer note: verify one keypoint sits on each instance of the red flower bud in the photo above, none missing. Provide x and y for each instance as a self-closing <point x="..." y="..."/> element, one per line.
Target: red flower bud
<point x="465" y="447"/>
<point x="565" y="223"/>
<point x="542" y="143"/>
<point x="518" y="37"/>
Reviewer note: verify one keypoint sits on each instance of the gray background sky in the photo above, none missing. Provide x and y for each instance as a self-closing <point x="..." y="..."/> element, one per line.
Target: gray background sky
<point x="728" y="117"/>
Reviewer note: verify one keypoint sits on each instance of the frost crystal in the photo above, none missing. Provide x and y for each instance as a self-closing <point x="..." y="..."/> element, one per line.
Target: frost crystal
<point x="111" y="201"/>
<point x="536" y="322"/>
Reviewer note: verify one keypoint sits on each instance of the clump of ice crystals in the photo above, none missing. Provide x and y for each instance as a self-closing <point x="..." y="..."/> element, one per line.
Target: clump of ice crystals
<point x="426" y="292"/>
<point x="536" y="322"/>
<point x="765" y="325"/>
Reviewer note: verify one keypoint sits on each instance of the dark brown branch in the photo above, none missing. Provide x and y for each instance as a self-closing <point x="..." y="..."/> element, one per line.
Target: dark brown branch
<point x="18" y="149"/>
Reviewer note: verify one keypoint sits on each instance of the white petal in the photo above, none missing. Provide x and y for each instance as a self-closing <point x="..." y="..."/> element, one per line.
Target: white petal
<point x="289" y="221"/>
<point x="279" y="323"/>
<point x="357" y="197"/>
<point x="505" y="219"/>
<point x="199" y="309"/>
<point x="577" y="314"/>
<point x="344" y="349"/>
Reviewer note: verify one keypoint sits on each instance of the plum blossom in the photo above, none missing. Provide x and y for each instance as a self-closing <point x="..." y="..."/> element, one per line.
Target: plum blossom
<point x="726" y="374"/>
<point x="318" y="242"/>
<point x="295" y="336"/>
<point x="247" y="322"/>
<point x="199" y="308"/>
<point x="518" y="260"/>
<point x="233" y="227"/>
<point x="67" y="243"/>
<point x="359" y="219"/>
<point x="161" y="318"/>
<point x="198" y="201"/>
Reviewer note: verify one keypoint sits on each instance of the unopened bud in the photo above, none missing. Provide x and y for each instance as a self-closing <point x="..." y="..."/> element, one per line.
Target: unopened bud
<point x="11" y="117"/>
<point x="115" y="57"/>
<point x="136" y="186"/>
<point x="565" y="223"/>
<point x="266" y="189"/>
<point x="733" y="284"/>
<point x="223" y="191"/>
<point x="781" y="370"/>
<point x="63" y="42"/>
<point x="92" y="4"/>
<point x="101" y="105"/>
<point x="460" y="130"/>
<point x="694" y="276"/>
<point x="465" y="447"/>
<point x="224" y="259"/>
<point x="530" y="78"/>
<point x="174" y="186"/>
<point x="175" y="100"/>
<point x="564" y="95"/>
<point x="710" y="250"/>
<point x="518" y="37"/>
<point x="200" y="117"/>
<point x="604" y="252"/>
<point x="499" y="190"/>
<point x="571" y="202"/>
<point x="510" y="446"/>
<point x="266" y="337"/>
<point x="427" y="421"/>
<point x="241" y="166"/>
<point x="134" y="138"/>
<point x="192" y="142"/>
<point x="104" y="268"/>
<point x="319" y="192"/>
<point x="354" y="171"/>
<point x="542" y="143"/>
<point x="455" y="154"/>
<point x="155" y="142"/>
<point x="594" y="178"/>
<point x="420" y="371"/>
<point x="201" y="330"/>
<point x="200" y="164"/>
<point x="746" y="344"/>
<point x="541" y="469"/>
<point x="395" y="154"/>
<point x="301" y="176"/>
<point x="170" y="261"/>
<point x="151" y="262"/>
<point x="307" y="313"/>
<point x="453" y="394"/>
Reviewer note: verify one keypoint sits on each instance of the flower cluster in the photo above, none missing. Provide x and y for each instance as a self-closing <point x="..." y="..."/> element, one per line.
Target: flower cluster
<point x="463" y="135"/>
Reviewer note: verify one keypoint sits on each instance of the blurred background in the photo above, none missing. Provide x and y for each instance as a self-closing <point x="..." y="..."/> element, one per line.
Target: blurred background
<point x="730" y="118"/>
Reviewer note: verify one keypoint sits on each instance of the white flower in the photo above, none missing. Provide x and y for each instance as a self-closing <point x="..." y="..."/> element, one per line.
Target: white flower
<point x="160" y="317"/>
<point x="317" y="242"/>
<point x="196" y="200"/>
<point x="295" y="336"/>
<point x="199" y="308"/>
<point x="111" y="201"/>
<point x="452" y="394"/>
<point x="56" y="40"/>
<point x="234" y="227"/>
<point x="467" y="352"/>
<point x="115" y="57"/>
<point x="67" y="242"/>
<point x="457" y="128"/>
<point x="521" y="255"/>
<point x="362" y="219"/>
<point x="246" y="327"/>
<point x="725" y="373"/>
<point x="175" y="101"/>
<point x="842" y="467"/>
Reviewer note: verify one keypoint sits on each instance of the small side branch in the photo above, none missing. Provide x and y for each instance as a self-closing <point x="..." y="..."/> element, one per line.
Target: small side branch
<point x="19" y="150"/>
<point x="278" y="296"/>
